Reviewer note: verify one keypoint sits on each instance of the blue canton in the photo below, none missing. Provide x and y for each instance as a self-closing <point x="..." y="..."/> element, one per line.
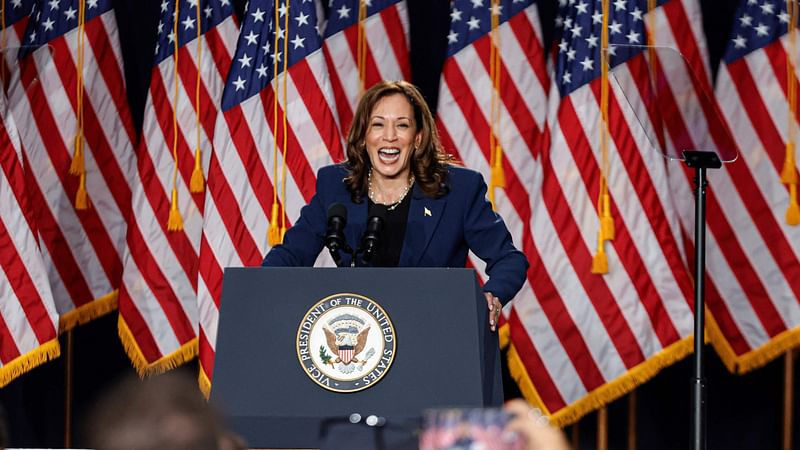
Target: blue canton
<point x="470" y="20"/>
<point x="758" y="23"/>
<point x="344" y="13"/>
<point x="212" y="12"/>
<point x="17" y="10"/>
<point x="54" y="18"/>
<point x="578" y="60"/>
<point x="252" y="66"/>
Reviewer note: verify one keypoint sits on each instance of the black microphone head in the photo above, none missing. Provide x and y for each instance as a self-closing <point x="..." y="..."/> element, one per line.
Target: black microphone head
<point x="379" y="213"/>
<point x="337" y="210"/>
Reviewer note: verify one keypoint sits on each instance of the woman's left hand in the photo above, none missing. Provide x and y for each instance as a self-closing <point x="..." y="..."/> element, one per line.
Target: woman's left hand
<point x="495" y="309"/>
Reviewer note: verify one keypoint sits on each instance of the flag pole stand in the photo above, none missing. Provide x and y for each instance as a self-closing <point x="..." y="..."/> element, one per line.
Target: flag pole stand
<point x="700" y="162"/>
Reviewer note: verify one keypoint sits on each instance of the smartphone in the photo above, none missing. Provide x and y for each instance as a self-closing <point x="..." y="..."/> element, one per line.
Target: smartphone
<point x="467" y="429"/>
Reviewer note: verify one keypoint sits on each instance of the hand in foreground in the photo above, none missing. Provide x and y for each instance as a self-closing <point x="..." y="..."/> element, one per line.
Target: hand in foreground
<point x="534" y="428"/>
<point x="495" y="309"/>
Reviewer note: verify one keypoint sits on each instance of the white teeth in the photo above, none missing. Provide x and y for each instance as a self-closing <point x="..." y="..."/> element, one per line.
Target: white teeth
<point x="390" y="151"/>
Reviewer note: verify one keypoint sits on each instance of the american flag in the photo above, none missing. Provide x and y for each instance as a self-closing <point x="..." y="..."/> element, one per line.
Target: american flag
<point x="752" y="253"/>
<point x="245" y="173"/>
<point x="15" y="19"/>
<point x="82" y="248"/>
<point x="158" y="297"/>
<point x="28" y="317"/>
<point x="384" y="52"/>
<point x="467" y="98"/>
<point x="583" y="338"/>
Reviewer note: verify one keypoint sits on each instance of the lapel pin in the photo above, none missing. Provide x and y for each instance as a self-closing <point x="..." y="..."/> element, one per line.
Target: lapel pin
<point x="427" y="213"/>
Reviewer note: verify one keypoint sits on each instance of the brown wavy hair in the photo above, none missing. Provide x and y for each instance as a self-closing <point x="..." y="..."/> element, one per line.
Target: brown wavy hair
<point x="428" y="161"/>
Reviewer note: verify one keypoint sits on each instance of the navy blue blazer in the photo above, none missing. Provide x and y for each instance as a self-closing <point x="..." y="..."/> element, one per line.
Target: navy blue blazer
<point x="439" y="232"/>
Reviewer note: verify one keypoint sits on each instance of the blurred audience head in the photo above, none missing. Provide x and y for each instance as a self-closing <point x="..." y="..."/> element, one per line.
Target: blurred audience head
<point x="163" y="412"/>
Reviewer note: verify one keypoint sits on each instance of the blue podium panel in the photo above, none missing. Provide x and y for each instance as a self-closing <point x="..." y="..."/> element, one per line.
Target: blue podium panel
<point x="445" y="353"/>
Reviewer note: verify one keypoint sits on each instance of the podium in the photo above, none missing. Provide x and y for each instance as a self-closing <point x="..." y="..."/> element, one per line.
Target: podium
<point x="445" y="355"/>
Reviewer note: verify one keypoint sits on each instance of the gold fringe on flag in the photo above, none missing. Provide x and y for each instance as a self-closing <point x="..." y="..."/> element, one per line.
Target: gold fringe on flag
<point x="204" y="383"/>
<point x="197" y="182"/>
<point x="18" y="366"/>
<point x="88" y="311"/>
<point x="604" y="394"/>
<point x="789" y="172"/>
<point x="183" y="354"/>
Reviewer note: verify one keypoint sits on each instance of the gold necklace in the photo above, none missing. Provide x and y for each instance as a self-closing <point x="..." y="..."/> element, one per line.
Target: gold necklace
<point x="389" y="206"/>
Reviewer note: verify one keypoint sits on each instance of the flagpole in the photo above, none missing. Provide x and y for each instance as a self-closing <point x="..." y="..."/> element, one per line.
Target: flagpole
<point x="575" y="433"/>
<point x="68" y="392"/>
<point x="632" y="420"/>
<point x="788" y="397"/>
<point x="602" y="428"/>
<point x="699" y="161"/>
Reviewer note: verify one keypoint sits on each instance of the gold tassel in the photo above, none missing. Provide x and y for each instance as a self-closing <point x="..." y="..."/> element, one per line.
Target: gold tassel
<point x="274" y="235"/>
<point x="600" y="260"/>
<point x="197" y="182"/>
<point x="793" y="211"/>
<point x="77" y="166"/>
<point x="789" y="173"/>
<point x="606" y="221"/>
<point x="175" y="222"/>
<point x="498" y="179"/>
<point x="81" y="197"/>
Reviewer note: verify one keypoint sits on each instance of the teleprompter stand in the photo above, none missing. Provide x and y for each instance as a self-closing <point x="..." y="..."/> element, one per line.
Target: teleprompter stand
<point x="700" y="162"/>
<point x="674" y="88"/>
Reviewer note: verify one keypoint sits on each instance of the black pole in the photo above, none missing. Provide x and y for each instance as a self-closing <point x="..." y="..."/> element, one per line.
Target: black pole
<point x="700" y="161"/>
<point x="698" y="364"/>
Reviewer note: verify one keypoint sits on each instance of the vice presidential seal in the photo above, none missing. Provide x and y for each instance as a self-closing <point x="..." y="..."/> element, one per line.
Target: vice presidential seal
<point x="346" y="342"/>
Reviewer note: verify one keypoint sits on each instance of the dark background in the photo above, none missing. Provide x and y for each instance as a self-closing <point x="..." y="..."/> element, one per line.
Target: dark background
<point x="745" y="412"/>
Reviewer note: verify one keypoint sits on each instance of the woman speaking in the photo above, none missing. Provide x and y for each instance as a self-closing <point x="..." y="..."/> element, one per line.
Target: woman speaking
<point x="430" y="212"/>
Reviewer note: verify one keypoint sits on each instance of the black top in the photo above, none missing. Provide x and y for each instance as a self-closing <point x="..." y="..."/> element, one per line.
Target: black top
<point x="394" y="231"/>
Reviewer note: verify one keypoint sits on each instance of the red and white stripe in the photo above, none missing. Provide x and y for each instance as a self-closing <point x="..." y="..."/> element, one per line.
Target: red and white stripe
<point x="240" y="182"/>
<point x="387" y="43"/>
<point x="464" y="117"/>
<point x="753" y="256"/>
<point x="585" y="339"/>
<point x="28" y="317"/>
<point x="158" y="298"/>
<point x="82" y="249"/>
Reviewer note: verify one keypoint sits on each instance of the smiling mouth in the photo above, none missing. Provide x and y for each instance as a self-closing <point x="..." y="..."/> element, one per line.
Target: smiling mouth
<point x="389" y="155"/>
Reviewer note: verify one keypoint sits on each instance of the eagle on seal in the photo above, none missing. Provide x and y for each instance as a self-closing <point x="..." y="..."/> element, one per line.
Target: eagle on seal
<point x="345" y="346"/>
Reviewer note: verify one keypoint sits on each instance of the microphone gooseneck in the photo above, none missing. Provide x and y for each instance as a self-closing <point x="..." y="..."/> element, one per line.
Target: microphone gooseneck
<point x="334" y="236"/>
<point x="373" y="234"/>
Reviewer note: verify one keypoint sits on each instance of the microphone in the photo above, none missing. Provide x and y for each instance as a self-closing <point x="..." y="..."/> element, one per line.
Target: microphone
<point x="372" y="235"/>
<point x="334" y="236"/>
